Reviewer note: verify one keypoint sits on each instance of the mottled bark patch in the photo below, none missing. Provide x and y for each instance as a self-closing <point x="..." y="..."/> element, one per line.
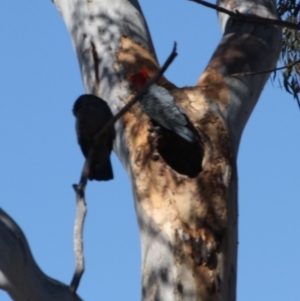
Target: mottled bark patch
<point x="182" y="188"/>
<point x="194" y="206"/>
<point x="213" y="86"/>
<point x="133" y="56"/>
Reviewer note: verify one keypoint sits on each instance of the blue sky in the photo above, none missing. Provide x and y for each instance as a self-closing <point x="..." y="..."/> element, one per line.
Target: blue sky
<point x="40" y="158"/>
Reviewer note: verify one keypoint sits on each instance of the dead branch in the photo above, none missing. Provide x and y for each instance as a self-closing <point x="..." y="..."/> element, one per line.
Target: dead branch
<point x="247" y="18"/>
<point x="78" y="234"/>
<point x="79" y="223"/>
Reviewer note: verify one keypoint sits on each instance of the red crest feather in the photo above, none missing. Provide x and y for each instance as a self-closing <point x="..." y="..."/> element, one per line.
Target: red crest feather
<point x="139" y="79"/>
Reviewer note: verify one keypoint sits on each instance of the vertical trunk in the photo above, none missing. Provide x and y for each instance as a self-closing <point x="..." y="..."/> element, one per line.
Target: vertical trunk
<point x="188" y="224"/>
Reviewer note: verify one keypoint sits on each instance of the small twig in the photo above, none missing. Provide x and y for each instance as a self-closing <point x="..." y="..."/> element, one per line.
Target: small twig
<point x="248" y="18"/>
<point x="266" y="71"/>
<point x="253" y="19"/>
<point x="140" y="93"/>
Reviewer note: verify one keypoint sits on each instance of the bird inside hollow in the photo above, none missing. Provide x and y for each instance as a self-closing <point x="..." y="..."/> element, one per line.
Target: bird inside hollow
<point x="159" y="104"/>
<point x="92" y="113"/>
<point x="178" y="143"/>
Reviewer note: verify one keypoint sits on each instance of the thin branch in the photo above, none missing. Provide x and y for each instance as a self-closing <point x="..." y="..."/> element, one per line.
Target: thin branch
<point x="247" y="18"/>
<point x="266" y="71"/>
<point x="78" y="234"/>
<point x="140" y="93"/>
<point x="79" y="223"/>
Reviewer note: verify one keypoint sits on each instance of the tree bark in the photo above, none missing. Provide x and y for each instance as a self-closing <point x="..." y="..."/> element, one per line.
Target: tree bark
<point x="188" y="223"/>
<point x="20" y="276"/>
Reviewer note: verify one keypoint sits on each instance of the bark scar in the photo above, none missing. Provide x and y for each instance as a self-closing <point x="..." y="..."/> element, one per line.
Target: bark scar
<point x="96" y="63"/>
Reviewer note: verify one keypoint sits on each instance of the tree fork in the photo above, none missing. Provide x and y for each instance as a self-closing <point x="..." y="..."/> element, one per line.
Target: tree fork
<point x="188" y="224"/>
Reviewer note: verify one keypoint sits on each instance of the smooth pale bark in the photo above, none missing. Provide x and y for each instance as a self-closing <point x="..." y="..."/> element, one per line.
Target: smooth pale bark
<point x="188" y="225"/>
<point x="20" y="276"/>
<point x="245" y="47"/>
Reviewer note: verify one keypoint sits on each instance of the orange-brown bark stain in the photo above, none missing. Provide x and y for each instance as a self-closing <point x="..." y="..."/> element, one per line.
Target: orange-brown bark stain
<point x="195" y="207"/>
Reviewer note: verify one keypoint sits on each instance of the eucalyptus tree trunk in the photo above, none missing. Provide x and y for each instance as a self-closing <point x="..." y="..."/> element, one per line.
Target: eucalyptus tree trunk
<point x="188" y="223"/>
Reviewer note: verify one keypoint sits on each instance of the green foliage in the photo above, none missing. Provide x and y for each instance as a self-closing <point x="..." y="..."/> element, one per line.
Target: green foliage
<point x="289" y="10"/>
